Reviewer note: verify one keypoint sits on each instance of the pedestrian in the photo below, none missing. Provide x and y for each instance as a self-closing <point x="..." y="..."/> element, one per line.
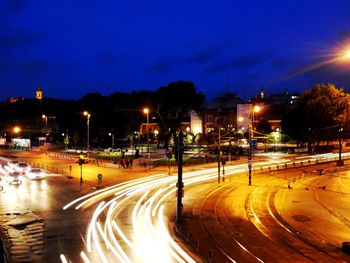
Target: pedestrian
<point x="131" y="161"/>
<point x="127" y="162"/>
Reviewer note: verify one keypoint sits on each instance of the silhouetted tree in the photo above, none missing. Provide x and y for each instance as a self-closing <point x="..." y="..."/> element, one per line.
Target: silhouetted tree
<point x="318" y="115"/>
<point x="173" y="103"/>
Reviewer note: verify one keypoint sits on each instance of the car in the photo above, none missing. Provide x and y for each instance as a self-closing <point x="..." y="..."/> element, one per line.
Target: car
<point x="22" y="168"/>
<point x="3" y="169"/>
<point x="83" y="158"/>
<point x="14" y="178"/>
<point x="35" y="173"/>
<point x="12" y="164"/>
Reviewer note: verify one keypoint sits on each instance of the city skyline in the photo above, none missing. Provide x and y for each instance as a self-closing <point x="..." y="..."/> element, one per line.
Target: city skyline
<point x="71" y="49"/>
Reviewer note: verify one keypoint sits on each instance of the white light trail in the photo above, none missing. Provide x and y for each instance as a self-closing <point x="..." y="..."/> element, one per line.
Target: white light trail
<point x="145" y="237"/>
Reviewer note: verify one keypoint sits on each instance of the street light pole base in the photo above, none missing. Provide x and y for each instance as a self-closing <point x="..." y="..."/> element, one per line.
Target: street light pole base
<point x="340" y="163"/>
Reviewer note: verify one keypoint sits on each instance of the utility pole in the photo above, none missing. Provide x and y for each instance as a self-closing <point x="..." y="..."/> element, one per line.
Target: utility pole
<point x="340" y="161"/>
<point x="113" y="139"/>
<point x="81" y="170"/>
<point x="219" y="154"/>
<point x="179" y="183"/>
<point x="250" y="152"/>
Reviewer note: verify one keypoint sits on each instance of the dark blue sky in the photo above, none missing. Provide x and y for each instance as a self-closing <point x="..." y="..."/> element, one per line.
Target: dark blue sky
<point x="72" y="47"/>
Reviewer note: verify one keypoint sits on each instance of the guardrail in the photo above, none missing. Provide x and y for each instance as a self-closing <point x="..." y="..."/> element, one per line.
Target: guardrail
<point x="299" y="164"/>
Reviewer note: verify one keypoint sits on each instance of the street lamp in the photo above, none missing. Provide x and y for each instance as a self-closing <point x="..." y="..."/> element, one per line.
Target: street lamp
<point x="146" y="111"/>
<point x="340" y="162"/>
<point x="343" y="54"/>
<point x="16" y="129"/>
<point x="45" y="118"/>
<point x="219" y="154"/>
<point x="88" y="115"/>
<point x="254" y="109"/>
<point x="111" y="134"/>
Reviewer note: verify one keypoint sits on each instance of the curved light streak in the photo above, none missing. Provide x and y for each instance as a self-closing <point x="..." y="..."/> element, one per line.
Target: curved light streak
<point x="113" y="236"/>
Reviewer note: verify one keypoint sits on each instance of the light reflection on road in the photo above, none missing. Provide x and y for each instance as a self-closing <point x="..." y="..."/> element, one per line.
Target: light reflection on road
<point x="130" y="222"/>
<point x="107" y="237"/>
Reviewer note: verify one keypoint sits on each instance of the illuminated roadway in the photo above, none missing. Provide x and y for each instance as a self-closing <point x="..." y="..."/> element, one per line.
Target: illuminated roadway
<point x="133" y="221"/>
<point x="228" y="222"/>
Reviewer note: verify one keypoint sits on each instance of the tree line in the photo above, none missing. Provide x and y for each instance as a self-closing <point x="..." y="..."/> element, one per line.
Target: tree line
<point x="120" y="113"/>
<point x="320" y="115"/>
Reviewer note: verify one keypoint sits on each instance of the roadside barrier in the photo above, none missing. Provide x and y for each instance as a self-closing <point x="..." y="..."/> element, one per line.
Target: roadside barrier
<point x="300" y="164"/>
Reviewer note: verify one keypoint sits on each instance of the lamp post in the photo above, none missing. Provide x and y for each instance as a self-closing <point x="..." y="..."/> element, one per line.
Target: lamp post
<point x="254" y="109"/>
<point x="340" y="162"/>
<point x="219" y="154"/>
<point x="112" y="135"/>
<point x="146" y="111"/>
<point x="44" y="117"/>
<point x="88" y="115"/>
<point x="179" y="184"/>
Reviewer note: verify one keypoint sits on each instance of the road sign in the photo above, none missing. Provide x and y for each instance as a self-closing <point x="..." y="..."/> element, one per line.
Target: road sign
<point x="250" y="162"/>
<point x="99" y="179"/>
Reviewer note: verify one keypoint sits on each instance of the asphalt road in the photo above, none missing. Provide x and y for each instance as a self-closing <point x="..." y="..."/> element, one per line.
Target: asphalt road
<point x="40" y="229"/>
<point x="133" y="219"/>
<point x="270" y="222"/>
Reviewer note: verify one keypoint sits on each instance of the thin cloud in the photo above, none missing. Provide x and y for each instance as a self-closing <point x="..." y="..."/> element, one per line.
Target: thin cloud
<point x="12" y="37"/>
<point x="199" y="58"/>
<point x="285" y="63"/>
<point x="29" y="66"/>
<point x="161" y="67"/>
<point x="203" y="56"/>
<point x="241" y="63"/>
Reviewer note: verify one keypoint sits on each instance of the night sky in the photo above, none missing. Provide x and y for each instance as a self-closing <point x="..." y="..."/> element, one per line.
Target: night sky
<point x="73" y="47"/>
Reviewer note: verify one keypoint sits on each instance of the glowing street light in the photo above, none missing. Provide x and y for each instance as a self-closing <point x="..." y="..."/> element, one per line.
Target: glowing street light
<point x="255" y="109"/>
<point x="16" y="129"/>
<point x="44" y="117"/>
<point x="111" y="134"/>
<point x="146" y="111"/>
<point x="88" y="115"/>
<point x="343" y="54"/>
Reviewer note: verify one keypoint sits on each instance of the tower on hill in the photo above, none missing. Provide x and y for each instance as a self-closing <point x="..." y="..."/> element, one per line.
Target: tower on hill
<point x="39" y="93"/>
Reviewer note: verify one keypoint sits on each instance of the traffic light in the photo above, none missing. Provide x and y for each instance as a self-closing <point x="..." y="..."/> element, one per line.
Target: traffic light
<point x="81" y="161"/>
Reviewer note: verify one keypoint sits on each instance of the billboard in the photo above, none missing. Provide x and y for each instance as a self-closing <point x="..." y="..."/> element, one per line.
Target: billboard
<point x="20" y="143"/>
